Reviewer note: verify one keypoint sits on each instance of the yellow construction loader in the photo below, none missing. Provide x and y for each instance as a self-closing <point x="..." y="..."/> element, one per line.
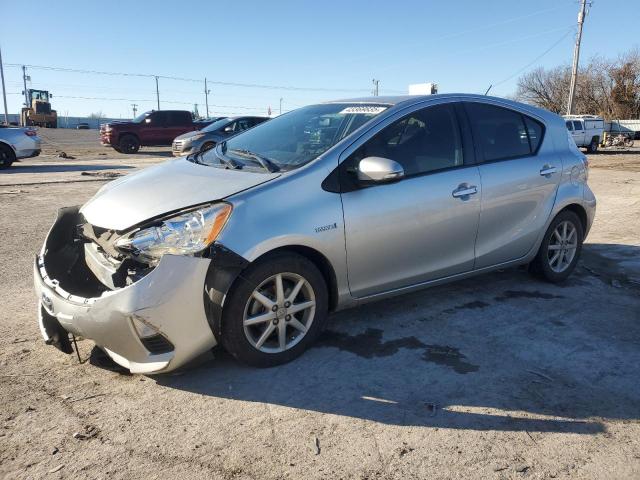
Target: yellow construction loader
<point x="39" y="112"/>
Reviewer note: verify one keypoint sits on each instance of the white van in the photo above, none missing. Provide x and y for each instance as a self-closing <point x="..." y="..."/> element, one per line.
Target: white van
<point x="586" y="130"/>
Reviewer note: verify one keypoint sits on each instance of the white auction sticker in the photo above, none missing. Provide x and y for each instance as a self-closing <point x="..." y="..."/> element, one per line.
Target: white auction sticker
<point x="364" y="109"/>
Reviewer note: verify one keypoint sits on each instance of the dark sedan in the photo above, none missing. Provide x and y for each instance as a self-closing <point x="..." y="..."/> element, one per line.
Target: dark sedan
<point x="208" y="137"/>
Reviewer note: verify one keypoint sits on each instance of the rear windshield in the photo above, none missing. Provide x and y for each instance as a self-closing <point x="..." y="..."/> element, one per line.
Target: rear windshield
<point x="300" y="136"/>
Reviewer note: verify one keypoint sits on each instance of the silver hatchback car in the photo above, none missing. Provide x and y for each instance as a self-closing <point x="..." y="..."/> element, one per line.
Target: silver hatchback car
<point x="251" y="244"/>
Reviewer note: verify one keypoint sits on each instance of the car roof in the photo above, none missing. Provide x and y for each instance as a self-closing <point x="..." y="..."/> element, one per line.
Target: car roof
<point x="408" y="100"/>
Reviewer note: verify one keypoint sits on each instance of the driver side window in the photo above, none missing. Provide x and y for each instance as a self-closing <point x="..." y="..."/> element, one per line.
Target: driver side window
<point x="425" y="141"/>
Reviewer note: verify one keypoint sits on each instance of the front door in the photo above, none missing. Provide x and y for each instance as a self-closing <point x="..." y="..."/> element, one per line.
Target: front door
<point x="520" y="173"/>
<point x="155" y="128"/>
<point x="422" y="227"/>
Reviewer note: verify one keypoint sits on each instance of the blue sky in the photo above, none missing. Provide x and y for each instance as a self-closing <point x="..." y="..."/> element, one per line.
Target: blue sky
<point x="462" y="45"/>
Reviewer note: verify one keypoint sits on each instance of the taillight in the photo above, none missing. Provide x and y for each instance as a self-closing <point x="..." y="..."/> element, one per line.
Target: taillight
<point x="30" y="133"/>
<point x="585" y="162"/>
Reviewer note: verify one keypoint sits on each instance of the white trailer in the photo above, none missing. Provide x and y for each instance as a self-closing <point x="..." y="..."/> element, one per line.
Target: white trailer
<point x="586" y="130"/>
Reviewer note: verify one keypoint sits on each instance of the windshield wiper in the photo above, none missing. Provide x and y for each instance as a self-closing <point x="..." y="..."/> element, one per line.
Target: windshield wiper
<point x="267" y="164"/>
<point x="227" y="162"/>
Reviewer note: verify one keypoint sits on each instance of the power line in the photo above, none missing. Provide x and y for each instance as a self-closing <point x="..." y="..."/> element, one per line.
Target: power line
<point x="184" y="79"/>
<point x="555" y="44"/>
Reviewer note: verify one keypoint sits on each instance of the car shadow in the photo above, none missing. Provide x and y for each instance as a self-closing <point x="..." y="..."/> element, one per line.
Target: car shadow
<point x="153" y="153"/>
<point x="18" y="168"/>
<point x="502" y="351"/>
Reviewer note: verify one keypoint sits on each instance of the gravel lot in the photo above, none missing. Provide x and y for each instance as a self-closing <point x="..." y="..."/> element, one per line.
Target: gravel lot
<point x="500" y="376"/>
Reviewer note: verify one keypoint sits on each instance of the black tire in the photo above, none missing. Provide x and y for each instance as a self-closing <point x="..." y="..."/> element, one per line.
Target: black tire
<point x="593" y="146"/>
<point x="540" y="266"/>
<point x="207" y="146"/>
<point x="129" y="144"/>
<point x="7" y="156"/>
<point x="233" y="337"/>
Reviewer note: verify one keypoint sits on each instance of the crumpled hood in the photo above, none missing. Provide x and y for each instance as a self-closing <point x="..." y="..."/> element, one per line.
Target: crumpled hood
<point x="164" y="188"/>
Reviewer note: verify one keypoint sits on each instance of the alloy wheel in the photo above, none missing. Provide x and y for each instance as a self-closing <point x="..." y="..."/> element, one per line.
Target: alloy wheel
<point x="279" y="312"/>
<point x="563" y="244"/>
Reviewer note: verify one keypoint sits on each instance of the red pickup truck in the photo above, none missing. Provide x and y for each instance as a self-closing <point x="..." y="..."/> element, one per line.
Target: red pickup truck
<point x="155" y="128"/>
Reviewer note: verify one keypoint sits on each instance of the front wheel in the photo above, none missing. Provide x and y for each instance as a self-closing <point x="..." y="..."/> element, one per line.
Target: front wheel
<point x="275" y="310"/>
<point x="560" y="248"/>
<point x="129" y="144"/>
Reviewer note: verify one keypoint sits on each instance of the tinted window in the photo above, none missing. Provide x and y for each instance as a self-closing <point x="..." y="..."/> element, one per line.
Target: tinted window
<point x="216" y="125"/>
<point x="499" y="133"/>
<point x="158" y="118"/>
<point x="577" y="125"/>
<point x="243" y="124"/>
<point x="424" y="141"/>
<point x="569" y="126"/>
<point x="534" y="128"/>
<point x="178" y="118"/>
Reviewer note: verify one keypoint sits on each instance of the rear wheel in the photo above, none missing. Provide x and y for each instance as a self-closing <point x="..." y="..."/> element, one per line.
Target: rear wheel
<point x="129" y="144"/>
<point x="560" y="248"/>
<point x="275" y="311"/>
<point x="7" y="156"/>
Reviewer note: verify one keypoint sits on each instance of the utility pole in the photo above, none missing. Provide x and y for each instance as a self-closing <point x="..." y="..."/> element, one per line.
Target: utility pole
<point x="4" y="92"/>
<point x="24" y="79"/>
<point x="157" y="93"/>
<point x="576" y="57"/>
<point x="280" y="105"/>
<point x="376" y="84"/>
<point x="206" y="96"/>
<point x="135" y="109"/>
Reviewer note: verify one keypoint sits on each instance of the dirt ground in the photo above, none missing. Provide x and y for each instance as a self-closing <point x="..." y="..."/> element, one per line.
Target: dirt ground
<point x="498" y="377"/>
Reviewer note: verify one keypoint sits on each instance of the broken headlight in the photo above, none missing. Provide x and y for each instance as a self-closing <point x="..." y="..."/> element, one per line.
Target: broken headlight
<point x="184" y="234"/>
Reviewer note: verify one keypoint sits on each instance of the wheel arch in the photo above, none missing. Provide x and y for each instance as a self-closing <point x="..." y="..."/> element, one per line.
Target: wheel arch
<point x="125" y="134"/>
<point x="226" y="269"/>
<point x="321" y="262"/>
<point x="4" y="142"/>
<point x="579" y="211"/>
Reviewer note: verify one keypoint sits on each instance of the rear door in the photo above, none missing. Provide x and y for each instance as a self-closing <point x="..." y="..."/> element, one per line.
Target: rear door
<point x="520" y="172"/>
<point x="422" y="227"/>
<point x="178" y="122"/>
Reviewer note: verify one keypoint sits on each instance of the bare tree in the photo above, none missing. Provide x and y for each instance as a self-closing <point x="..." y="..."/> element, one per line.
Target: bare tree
<point x="610" y="88"/>
<point x="545" y="88"/>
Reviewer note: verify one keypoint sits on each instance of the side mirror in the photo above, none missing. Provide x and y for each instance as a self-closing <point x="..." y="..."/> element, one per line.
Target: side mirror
<point x="379" y="170"/>
<point x="147" y="120"/>
<point x="228" y="129"/>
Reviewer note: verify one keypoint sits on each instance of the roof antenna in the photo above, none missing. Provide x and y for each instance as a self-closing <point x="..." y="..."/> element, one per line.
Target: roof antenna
<point x="488" y="89"/>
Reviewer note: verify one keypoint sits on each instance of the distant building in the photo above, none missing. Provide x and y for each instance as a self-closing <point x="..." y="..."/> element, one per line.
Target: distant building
<point x="423" y="89"/>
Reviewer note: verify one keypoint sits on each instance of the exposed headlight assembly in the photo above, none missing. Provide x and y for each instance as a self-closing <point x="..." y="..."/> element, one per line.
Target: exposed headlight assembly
<point x="185" y="234"/>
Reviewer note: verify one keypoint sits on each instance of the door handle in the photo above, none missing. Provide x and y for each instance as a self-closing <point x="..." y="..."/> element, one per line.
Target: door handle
<point x="548" y="170"/>
<point x="464" y="190"/>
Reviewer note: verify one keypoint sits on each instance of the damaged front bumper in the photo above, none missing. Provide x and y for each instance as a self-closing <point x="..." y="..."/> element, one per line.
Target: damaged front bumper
<point x="167" y="302"/>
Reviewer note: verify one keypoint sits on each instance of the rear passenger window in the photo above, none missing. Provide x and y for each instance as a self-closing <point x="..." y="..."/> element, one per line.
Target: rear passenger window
<point x="577" y="125"/>
<point x="424" y="141"/>
<point x="534" y="129"/>
<point x="500" y="133"/>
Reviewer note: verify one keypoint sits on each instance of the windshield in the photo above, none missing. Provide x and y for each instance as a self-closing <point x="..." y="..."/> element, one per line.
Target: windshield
<point x="141" y="117"/>
<point x="298" y="137"/>
<point x="216" y="125"/>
